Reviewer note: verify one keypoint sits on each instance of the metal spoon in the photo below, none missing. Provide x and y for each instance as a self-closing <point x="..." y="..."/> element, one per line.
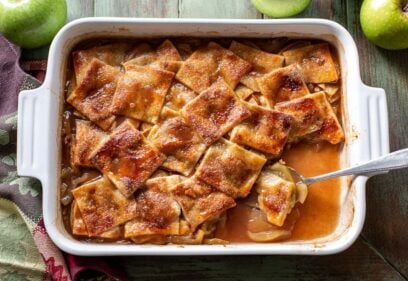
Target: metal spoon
<point x="393" y="161"/>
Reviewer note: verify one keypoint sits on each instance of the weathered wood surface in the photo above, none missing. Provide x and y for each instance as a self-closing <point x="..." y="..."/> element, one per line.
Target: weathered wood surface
<point x="137" y="8"/>
<point x="360" y="262"/>
<point x="387" y="195"/>
<point x="231" y="9"/>
<point x="381" y="253"/>
<point x="80" y="9"/>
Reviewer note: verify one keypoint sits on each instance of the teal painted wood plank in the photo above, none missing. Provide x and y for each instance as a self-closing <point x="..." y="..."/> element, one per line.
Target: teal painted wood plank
<point x="79" y="9"/>
<point x="360" y="262"/>
<point x="333" y="10"/>
<point x="387" y="195"/>
<point x="241" y="9"/>
<point x="137" y="8"/>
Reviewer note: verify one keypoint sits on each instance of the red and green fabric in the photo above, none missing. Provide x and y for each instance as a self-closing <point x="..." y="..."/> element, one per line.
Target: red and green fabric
<point x="26" y="251"/>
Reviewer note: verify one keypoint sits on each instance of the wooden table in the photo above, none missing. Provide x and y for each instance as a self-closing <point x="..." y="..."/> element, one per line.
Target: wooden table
<point x="381" y="252"/>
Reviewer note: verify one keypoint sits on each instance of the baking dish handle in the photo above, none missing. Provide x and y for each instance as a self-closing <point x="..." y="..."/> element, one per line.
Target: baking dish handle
<point x="32" y="133"/>
<point x="377" y="116"/>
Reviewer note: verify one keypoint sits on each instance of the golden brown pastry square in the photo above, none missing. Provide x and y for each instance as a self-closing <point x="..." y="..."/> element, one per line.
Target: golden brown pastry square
<point x="283" y="84"/>
<point x="231" y="67"/>
<point x="93" y="96"/>
<point x="214" y="112"/>
<point x="230" y="168"/>
<point x="199" y="71"/>
<point x="276" y="198"/>
<point x="167" y="52"/>
<point x="166" y="57"/>
<point x="156" y="210"/>
<point x="103" y="206"/>
<point x="178" y="96"/>
<point x="78" y="226"/>
<point x="200" y="202"/>
<point x="313" y="113"/>
<point x="262" y="62"/>
<point x="265" y="130"/>
<point x="141" y="92"/>
<point x="315" y="61"/>
<point x="111" y="54"/>
<point x="178" y="141"/>
<point x="207" y="64"/>
<point x="250" y="80"/>
<point x="243" y="92"/>
<point x="127" y="159"/>
<point x="87" y="139"/>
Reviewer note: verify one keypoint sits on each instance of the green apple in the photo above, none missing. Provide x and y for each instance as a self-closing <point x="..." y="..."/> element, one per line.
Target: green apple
<point x="385" y="23"/>
<point x="280" y="8"/>
<point x="31" y="23"/>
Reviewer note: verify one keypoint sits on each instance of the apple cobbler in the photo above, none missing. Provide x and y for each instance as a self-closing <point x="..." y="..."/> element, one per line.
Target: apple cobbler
<point x="164" y="141"/>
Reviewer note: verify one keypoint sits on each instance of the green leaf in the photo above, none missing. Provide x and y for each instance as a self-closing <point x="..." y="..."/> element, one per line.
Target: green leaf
<point x="14" y="236"/>
<point x="25" y="184"/>
<point x="4" y="137"/>
<point x="9" y="178"/>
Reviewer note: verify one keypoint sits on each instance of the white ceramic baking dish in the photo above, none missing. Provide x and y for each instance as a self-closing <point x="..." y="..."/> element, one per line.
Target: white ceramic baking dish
<point x="39" y="118"/>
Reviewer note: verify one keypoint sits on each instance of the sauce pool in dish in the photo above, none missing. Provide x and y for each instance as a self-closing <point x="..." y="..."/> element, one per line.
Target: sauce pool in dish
<point x="318" y="216"/>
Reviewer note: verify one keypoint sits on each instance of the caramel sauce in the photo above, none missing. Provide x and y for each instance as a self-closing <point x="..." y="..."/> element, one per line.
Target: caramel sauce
<point x="319" y="214"/>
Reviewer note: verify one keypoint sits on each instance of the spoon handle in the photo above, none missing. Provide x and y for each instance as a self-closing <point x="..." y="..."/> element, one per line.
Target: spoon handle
<point x="393" y="161"/>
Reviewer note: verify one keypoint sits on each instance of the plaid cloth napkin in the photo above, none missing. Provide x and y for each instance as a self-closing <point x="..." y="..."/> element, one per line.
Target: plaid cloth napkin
<point x="26" y="251"/>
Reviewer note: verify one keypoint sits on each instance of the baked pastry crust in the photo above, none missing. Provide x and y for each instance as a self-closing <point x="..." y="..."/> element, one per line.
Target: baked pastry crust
<point x="243" y="92"/>
<point x="148" y="116"/>
<point x="103" y="206"/>
<point x="276" y="198"/>
<point x="178" y="141"/>
<point x="209" y="63"/>
<point x="112" y="54"/>
<point x="87" y="139"/>
<point x="315" y="61"/>
<point x="157" y="213"/>
<point x="265" y="130"/>
<point x="141" y="92"/>
<point x="93" y="95"/>
<point x="214" y="112"/>
<point x="165" y="57"/>
<point x="178" y="96"/>
<point x="127" y="159"/>
<point x="283" y="84"/>
<point x="313" y="113"/>
<point x="200" y="202"/>
<point x="262" y="62"/>
<point x="230" y="168"/>
<point x="78" y="226"/>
